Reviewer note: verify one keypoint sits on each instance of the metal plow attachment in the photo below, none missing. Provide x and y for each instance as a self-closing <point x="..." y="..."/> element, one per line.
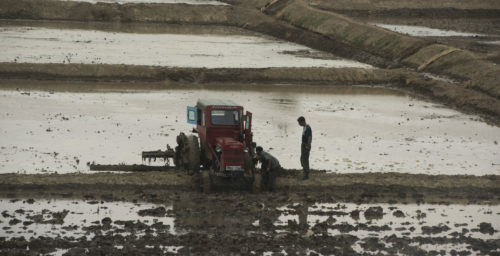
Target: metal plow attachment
<point x="165" y="155"/>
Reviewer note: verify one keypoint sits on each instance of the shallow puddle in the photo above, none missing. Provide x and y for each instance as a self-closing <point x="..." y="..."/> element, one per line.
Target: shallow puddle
<point x="491" y="42"/>
<point x="422" y="223"/>
<point x="421" y="31"/>
<point x="428" y="227"/>
<point x="48" y="45"/>
<point x="355" y="129"/>
<point x="75" y="218"/>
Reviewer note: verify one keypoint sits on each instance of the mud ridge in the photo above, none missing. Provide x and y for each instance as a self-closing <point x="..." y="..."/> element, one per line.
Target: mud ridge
<point x="448" y="13"/>
<point x="108" y="72"/>
<point x="114" y="12"/>
<point x="369" y="187"/>
<point x="413" y="52"/>
<point x="459" y="96"/>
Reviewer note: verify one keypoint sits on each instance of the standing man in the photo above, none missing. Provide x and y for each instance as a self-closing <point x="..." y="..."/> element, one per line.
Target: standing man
<point x="305" y="147"/>
<point x="269" y="168"/>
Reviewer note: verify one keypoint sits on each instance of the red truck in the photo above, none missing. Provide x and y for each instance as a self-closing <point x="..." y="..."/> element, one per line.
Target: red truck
<point x="224" y="145"/>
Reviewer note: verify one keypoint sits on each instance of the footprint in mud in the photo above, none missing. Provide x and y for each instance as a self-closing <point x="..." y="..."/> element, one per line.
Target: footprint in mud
<point x="375" y="212"/>
<point x="486" y="228"/>
<point x="14" y="222"/>
<point x="57" y="217"/>
<point x="355" y="215"/>
<point x="426" y="230"/>
<point x="398" y="214"/>
<point x="157" y="212"/>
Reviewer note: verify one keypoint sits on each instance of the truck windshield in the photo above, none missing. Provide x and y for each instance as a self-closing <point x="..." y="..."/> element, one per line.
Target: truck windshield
<point x="225" y="117"/>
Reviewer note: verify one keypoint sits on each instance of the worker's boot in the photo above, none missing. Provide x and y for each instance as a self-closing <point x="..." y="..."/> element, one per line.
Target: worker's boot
<point x="306" y="175"/>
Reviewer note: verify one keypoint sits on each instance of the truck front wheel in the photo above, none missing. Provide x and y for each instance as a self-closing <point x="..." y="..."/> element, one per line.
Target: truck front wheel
<point x="193" y="156"/>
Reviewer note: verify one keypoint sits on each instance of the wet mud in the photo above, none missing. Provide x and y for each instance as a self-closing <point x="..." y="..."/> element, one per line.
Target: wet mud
<point x="409" y="9"/>
<point x="77" y="216"/>
<point x="192" y="2"/>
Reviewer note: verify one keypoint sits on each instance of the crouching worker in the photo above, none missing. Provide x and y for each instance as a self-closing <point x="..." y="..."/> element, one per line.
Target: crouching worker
<point x="269" y="168"/>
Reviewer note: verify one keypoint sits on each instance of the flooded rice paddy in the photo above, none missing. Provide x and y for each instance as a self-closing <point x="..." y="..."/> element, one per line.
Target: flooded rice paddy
<point x="23" y="44"/>
<point x="355" y="129"/>
<point x="364" y="227"/>
<point x="421" y="31"/>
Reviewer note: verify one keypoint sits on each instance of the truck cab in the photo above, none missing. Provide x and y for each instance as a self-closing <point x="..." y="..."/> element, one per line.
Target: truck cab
<point x="225" y="135"/>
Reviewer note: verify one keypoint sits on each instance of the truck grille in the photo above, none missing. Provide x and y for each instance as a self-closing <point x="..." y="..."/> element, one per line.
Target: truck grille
<point x="233" y="157"/>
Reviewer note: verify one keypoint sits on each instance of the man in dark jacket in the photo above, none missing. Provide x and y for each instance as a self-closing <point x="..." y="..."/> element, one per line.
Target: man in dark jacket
<point x="269" y="168"/>
<point x="305" y="147"/>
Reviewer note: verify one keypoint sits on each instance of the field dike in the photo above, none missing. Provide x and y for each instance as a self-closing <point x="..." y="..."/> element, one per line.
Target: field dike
<point x="408" y="9"/>
<point x="456" y="96"/>
<point x="113" y="12"/>
<point x="111" y="72"/>
<point x="414" y="52"/>
<point x="385" y="186"/>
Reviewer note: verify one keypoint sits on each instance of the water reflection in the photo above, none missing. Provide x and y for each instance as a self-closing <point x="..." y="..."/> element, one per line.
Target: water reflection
<point x="425" y="31"/>
<point x="365" y="225"/>
<point x="76" y="218"/>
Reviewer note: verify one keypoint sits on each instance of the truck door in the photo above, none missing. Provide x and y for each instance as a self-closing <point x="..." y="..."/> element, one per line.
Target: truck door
<point x="192" y="115"/>
<point x="248" y="129"/>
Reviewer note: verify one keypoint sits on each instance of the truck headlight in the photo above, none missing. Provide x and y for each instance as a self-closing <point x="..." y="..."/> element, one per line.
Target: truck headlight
<point x="218" y="148"/>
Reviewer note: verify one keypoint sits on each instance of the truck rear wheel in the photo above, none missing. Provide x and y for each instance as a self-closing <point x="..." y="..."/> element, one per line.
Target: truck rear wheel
<point x="204" y="161"/>
<point x="193" y="157"/>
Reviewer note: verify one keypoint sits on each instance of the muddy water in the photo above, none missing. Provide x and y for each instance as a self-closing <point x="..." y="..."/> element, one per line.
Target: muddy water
<point x="48" y="45"/>
<point x="421" y="31"/>
<point x="37" y="218"/>
<point x="206" y="2"/>
<point x="396" y="220"/>
<point x="426" y="226"/>
<point x="355" y="129"/>
<point x="492" y="42"/>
